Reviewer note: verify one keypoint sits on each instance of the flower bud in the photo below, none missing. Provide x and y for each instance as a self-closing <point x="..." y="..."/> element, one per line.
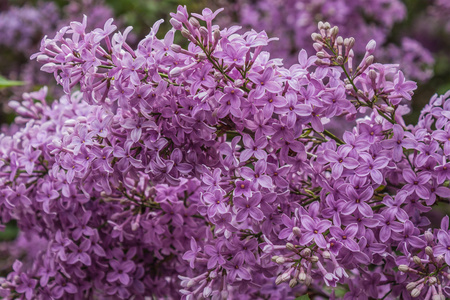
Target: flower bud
<point x="191" y="283"/>
<point x="176" y="24"/>
<point x="306" y="252"/>
<point x="314" y="258"/>
<point x="321" y="54"/>
<point x="203" y="31"/>
<point x="175" y="72"/>
<point x="187" y="34"/>
<point x="410" y="286"/>
<point x="278" y="280"/>
<point x="369" y="60"/>
<point x="432" y="280"/>
<point x="302" y="276"/>
<point x="238" y="82"/>
<point x="440" y="259"/>
<point x="317" y="47"/>
<point x="175" y="48"/>
<point x="429" y="251"/>
<point x="437" y="297"/>
<point x="316" y="37"/>
<point x="285" y="276"/>
<point x="207" y="291"/>
<point x="403" y="268"/>
<point x="274" y="258"/>
<point x="280" y="260"/>
<point x="415" y="293"/>
<point x="320" y="25"/>
<point x="216" y="34"/>
<point x="372" y="74"/>
<point x="201" y="56"/>
<point x="370" y="47"/>
<point x="194" y="22"/>
<point x="429" y="237"/>
<point x="42" y="58"/>
<point x="326" y="26"/>
<point x="293" y="282"/>
<point x="326" y="254"/>
<point x="417" y="260"/>
<point x="334" y="31"/>
<point x="339" y="41"/>
<point x="213" y="274"/>
<point x="290" y="246"/>
<point x="296" y="231"/>
<point x="340" y="60"/>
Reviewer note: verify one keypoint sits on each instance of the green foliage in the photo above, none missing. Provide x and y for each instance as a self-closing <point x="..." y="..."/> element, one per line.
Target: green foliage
<point x="4" y="83"/>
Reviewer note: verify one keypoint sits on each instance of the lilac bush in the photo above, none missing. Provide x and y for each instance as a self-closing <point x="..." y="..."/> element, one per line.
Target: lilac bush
<point x="211" y="172"/>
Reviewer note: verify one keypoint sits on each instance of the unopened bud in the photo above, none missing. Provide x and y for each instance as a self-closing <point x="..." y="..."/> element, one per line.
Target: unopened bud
<point x="372" y="74"/>
<point x="314" y="258"/>
<point x="42" y="58"/>
<point x="370" y="47"/>
<point x="316" y="37"/>
<point x="203" y="31"/>
<point x="369" y="60"/>
<point x="320" y="25"/>
<point x="415" y="293"/>
<point x="213" y="274"/>
<point x="290" y="246"/>
<point x="306" y="252"/>
<point x="207" y="291"/>
<point x="326" y="26"/>
<point x="201" y="55"/>
<point x="293" y="282"/>
<point x="216" y="34"/>
<point x="417" y="260"/>
<point x="317" y="46"/>
<point x="274" y="258"/>
<point x="403" y="268"/>
<point x="429" y="251"/>
<point x="296" y="231"/>
<point x="410" y="286"/>
<point x="302" y="276"/>
<point x="278" y="280"/>
<point x="194" y="22"/>
<point x="326" y="254"/>
<point x="175" y="72"/>
<point x="175" y="48"/>
<point x="340" y="60"/>
<point x="349" y="42"/>
<point x="321" y="54"/>
<point x="339" y="41"/>
<point x="176" y="24"/>
<point x="186" y="34"/>
<point x="440" y="259"/>
<point x="432" y="280"/>
<point x="428" y="236"/>
<point x="285" y="276"/>
<point x="334" y="31"/>
<point x="280" y="260"/>
<point x="437" y="297"/>
<point x="191" y="283"/>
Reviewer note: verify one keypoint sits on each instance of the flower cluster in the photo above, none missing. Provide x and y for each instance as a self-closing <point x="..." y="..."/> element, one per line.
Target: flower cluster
<point x="213" y="171"/>
<point x="294" y="20"/>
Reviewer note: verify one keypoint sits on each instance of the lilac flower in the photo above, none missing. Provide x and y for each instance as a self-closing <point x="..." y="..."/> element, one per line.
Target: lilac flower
<point x="293" y="109"/>
<point x="408" y="236"/>
<point x="388" y="224"/>
<point x="80" y="253"/>
<point x="398" y="142"/>
<point x="120" y="271"/>
<point x="257" y="175"/>
<point x="313" y="230"/>
<point x="236" y="268"/>
<point x="358" y="202"/>
<point x="215" y="256"/>
<point x="340" y="160"/>
<point x="372" y="167"/>
<point x="417" y="183"/>
<point x="248" y="207"/>
<point x="265" y="82"/>
<point x="443" y="248"/>
<point x="26" y="286"/>
<point x="253" y="148"/>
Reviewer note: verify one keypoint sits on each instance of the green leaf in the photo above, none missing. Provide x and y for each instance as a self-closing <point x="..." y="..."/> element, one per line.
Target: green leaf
<point x="8" y="83"/>
<point x="304" y="297"/>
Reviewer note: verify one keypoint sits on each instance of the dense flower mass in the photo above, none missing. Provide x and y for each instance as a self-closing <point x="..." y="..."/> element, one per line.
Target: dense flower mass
<point x="213" y="171"/>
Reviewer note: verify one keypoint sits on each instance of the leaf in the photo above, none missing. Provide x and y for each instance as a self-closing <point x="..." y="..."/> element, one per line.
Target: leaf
<point x="8" y="83"/>
<point x="304" y="297"/>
